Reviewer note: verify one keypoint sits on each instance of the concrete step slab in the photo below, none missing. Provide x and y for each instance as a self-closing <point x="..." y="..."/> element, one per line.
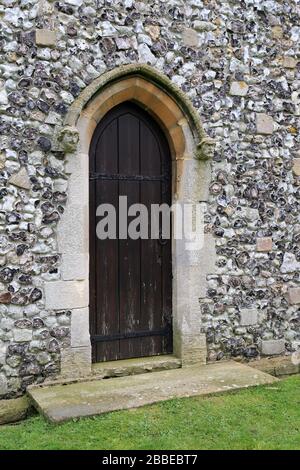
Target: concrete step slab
<point x="64" y="402"/>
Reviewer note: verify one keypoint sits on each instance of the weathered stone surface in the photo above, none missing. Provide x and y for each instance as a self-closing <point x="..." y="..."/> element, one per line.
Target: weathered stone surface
<point x="66" y="294"/>
<point x="21" y="336"/>
<point x="135" y="366"/>
<point x="145" y="55"/>
<point x="190" y="37"/>
<point x="45" y="37"/>
<point x="294" y="295"/>
<point x="264" y="124"/>
<point x="74" y="266"/>
<point x="204" y="26"/>
<point x="153" y="31"/>
<point x="239" y="88"/>
<point x="296" y="166"/>
<point x="5" y="297"/>
<point x="80" y="328"/>
<point x="249" y="316"/>
<point x="76" y="362"/>
<point x="64" y="402"/>
<point x="3" y="385"/>
<point x="13" y="410"/>
<point x="277" y="366"/>
<point x="264" y="244"/>
<point x="272" y="346"/>
<point x="3" y="97"/>
<point x="277" y="32"/>
<point x="289" y="264"/>
<point x="20" y="179"/>
<point x="247" y="179"/>
<point x="289" y="62"/>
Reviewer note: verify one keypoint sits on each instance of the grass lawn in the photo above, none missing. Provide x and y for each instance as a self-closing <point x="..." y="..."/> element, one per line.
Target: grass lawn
<point x="258" y="418"/>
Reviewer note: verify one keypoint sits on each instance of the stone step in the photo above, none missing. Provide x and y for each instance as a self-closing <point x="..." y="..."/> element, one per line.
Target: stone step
<point x="64" y="402"/>
<point x="135" y="366"/>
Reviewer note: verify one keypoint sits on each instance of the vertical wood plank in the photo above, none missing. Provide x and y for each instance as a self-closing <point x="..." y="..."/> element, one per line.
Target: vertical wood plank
<point x="130" y="280"/>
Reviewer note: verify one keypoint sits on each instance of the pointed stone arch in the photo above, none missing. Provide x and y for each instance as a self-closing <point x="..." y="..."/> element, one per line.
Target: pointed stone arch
<point x="151" y="90"/>
<point x="191" y="150"/>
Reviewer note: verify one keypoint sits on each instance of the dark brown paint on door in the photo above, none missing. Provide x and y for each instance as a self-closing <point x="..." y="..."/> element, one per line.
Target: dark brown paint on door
<point x="130" y="280"/>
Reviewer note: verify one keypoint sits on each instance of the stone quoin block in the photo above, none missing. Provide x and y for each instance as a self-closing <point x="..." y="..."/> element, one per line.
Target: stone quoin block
<point x="80" y="335"/>
<point x="66" y="294"/>
<point x="76" y="362"/>
<point x="74" y="267"/>
<point x="293" y="295"/>
<point x="45" y="37"/>
<point x="249" y="316"/>
<point x="272" y="346"/>
<point x="264" y="244"/>
<point x="264" y="124"/>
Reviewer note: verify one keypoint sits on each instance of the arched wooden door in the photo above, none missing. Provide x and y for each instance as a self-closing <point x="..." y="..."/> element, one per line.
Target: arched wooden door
<point x="130" y="280"/>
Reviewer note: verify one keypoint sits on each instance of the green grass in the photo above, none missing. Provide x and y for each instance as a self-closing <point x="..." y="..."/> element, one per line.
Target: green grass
<point x="258" y="418"/>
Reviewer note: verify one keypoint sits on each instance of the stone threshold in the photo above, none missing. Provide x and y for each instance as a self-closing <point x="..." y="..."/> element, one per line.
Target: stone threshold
<point x="94" y="397"/>
<point x="109" y="369"/>
<point x="140" y="365"/>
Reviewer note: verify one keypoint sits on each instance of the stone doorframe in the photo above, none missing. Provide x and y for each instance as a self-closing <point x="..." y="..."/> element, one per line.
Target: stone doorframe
<point x="191" y="150"/>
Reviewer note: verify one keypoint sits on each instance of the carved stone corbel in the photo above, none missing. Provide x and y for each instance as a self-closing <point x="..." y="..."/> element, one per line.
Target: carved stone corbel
<point x="205" y="149"/>
<point x="68" y="138"/>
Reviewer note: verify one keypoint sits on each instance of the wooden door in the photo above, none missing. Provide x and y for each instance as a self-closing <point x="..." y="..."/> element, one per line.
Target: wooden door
<point x="130" y="280"/>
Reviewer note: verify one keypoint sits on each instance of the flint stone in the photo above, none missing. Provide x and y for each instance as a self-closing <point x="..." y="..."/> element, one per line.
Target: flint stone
<point x="5" y="298"/>
<point x="290" y="264"/>
<point x="296" y="166"/>
<point x="238" y="88"/>
<point x="272" y="346"/>
<point x="3" y="385"/>
<point x="45" y="37"/>
<point x="2" y="160"/>
<point x="277" y="32"/>
<point x="153" y="31"/>
<point x="289" y="62"/>
<point x="20" y="179"/>
<point x="202" y="26"/>
<point x="21" y="336"/>
<point x="3" y="97"/>
<point x="249" y="316"/>
<point x="75" y="3"/>
<point x="264" y="124"/>
<point x="264" y="244"/>
<point x="145" y="55"/>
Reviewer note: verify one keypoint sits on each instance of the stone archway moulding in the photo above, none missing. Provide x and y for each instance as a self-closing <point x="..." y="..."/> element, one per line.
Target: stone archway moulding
<point x="149" y="88"/>
<point x="191" y="150"/>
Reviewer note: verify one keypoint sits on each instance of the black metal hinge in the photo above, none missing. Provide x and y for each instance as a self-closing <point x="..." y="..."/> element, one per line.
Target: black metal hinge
<point x="120" y="177"/>
<point x="138" y="334"/>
